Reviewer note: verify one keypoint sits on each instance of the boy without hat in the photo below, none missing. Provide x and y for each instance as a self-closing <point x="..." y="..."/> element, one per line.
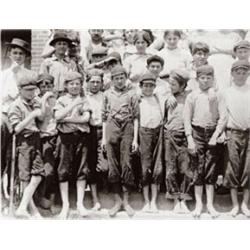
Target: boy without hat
<point x="204" y="120"/>
<point x="120" y="137"/>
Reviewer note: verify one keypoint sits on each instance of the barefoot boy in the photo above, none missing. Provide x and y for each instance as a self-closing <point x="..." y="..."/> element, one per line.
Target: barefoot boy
<point x="238" y="131"/>
<point x="204" y="120"/>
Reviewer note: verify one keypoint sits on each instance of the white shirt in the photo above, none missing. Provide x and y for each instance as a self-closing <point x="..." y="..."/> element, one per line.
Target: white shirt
<point x="95" y="102"/>
<point x="238" y="107"/>
<point x="150" y="114"/>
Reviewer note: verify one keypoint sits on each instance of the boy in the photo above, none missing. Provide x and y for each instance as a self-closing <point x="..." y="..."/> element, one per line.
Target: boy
<point x="22" y="115"/>
<point x="150" y="120"/>
<point x="120" y="137"/>
<point x="19" y="51"/>
<point x="95" y="157"/>
<point x="48" y="133"/>
<point x="72" y="115"/>
<point x="237" y="131"/>
<point x="178" y="174"/>
<point x="204" y="120"/>
<point x="59" y="64"/>
<point x="242" y="50"/>
<point x="200" y="53"/>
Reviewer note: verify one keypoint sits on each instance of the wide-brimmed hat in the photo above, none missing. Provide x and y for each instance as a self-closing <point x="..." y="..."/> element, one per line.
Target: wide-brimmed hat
<point x="17" y="42"/>
<point x="60" y="36"/>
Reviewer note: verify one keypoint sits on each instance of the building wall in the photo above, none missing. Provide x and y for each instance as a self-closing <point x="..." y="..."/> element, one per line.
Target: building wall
<point x="39" y="39"/>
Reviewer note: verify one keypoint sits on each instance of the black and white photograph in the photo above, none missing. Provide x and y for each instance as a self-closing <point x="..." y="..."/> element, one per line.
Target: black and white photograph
<point x="125" y="124"/>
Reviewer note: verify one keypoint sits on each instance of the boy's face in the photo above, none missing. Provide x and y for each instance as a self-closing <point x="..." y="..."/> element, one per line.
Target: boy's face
<point x="172" y="40"/>
<point x="95" y="84"/>
<point x="119" y="81"/>
<point x="141" y="45"/>
<point x="200" y="58"/>
<point x="147" y="88"/>
<point x="96" y="34"/>
<point x="175" y="86"/>
<point x="46" y="86"/>
<point x="61" y="47"/>
<point x="205" y="82"/>
<point x="74" y="87"/>
<point x="27" y="93"/>
<point x="17" y="55"/>
<point x="130" y="34"/>
<point x="240" y="76"/>
<point x="155" y="68"/>
<point x="243" y="54"/>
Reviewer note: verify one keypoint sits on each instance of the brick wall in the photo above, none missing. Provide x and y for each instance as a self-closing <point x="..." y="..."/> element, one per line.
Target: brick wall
<point x="39" y="39"/>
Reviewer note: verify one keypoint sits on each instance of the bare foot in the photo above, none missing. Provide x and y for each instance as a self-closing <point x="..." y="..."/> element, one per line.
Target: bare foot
<point x="129" y="210"/>
<point x="82" y="211"/>
<point x="184" y="208"/>
<point x="234" y="211"/>
<point x="146" y="208"/>
<point x="115" y="209"/>
<point x="197" y="211"/>
<point x="177" y="207"/>
<point x="154" y="208"/>
<point x="96" y="207"/>
<point x="245" y="210"/>
<point x="64" y="213"/>
<point x="212" y="211"/>
<point x="22" y="214"/>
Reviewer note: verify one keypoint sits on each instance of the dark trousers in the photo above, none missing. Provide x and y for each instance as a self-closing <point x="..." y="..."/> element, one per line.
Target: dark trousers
<point x="148" y="141"/>
<point x="97" y="162"/>
<point x="119" y="141"/>
<point x="206" y="159"/>
<point x="238" y="154"/>
<point x="179" y="175"/>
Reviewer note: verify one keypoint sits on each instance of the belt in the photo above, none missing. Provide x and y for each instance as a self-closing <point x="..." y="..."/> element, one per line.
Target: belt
<point x="239" y="131"/>
<point x="203" y="130"/>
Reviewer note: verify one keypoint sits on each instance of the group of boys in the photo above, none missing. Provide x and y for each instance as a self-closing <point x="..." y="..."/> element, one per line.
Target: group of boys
<point x="76" y="127"/>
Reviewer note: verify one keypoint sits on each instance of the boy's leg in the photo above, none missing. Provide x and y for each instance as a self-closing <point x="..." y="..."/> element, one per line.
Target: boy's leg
<point x="97" y="205"/>
<point x="198" y="191"/>
<point x="244" y="205"/>
<point x="210" y="201"/>
<point x="27" y="195"/>
<point x="234" y="197"/>
<point x="145" y="191"/>
<point x="154" y="192"/>
<point x="116" y="188"/>
<point x="80" y="186"/>
<point x="64" y="190"/>
<point x="130" y="211"/>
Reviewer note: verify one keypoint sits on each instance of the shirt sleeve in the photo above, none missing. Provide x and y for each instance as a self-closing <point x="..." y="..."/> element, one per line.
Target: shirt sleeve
<point x="15" y="115"/>
<point x="223" y="114"/>
<point x="188" y="114"/>
<point x="135" y="106"/>
<point x="44" y="68"/>
<point x="59" y="104"/>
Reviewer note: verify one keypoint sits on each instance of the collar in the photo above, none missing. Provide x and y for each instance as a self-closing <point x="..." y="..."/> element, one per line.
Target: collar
<point x="55" y="58"/>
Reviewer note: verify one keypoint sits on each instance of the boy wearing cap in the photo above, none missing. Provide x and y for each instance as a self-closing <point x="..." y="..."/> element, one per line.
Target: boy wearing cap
<point x="204" y="121"/>
<point x="23" y="116"/>
<point x="150" y="120"/>
<point x="72" y="114"/>
<point x="242" y="50"/>
<point x="96" y="161"/>
<point x="18" y="51"/>
<point x="178" y="173"/>
<point x="59" y="64"/>
<point x="48" y="134"/>
<point x="120" y="137"/>
<point x="237" y="130"/>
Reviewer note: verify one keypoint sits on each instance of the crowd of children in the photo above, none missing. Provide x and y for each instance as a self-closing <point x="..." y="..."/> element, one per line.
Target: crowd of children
<point x="130" y="110"/>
